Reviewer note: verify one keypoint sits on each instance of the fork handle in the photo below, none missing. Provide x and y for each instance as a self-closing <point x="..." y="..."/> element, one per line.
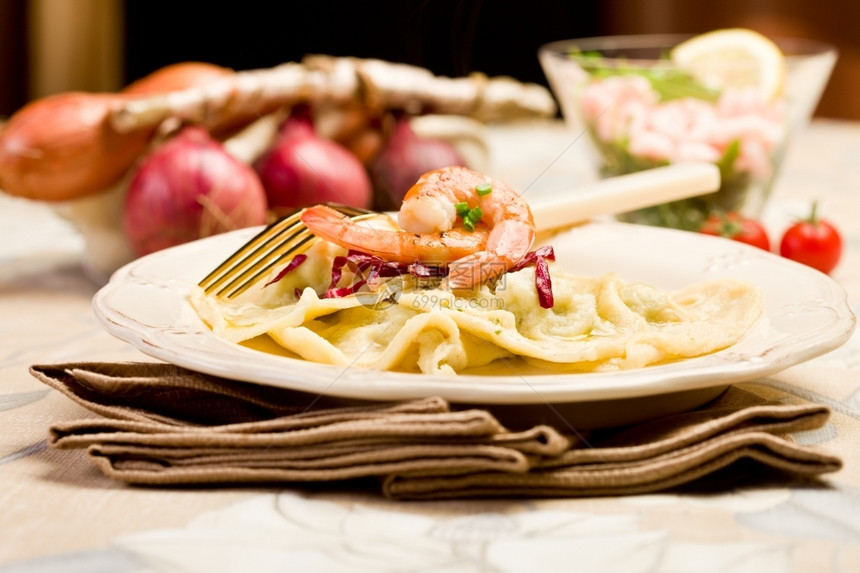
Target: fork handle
<point x="626" y="193"/>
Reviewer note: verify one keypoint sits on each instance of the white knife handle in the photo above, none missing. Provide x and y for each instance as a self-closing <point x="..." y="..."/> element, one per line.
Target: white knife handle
<point x="626" y="193"/>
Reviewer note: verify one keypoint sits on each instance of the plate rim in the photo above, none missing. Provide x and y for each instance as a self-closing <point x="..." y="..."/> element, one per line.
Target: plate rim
<point x="719" y="368"/>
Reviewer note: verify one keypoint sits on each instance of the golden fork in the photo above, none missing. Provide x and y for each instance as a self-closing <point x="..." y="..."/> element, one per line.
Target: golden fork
<point x="288" y="236"/>
<point x="275" y="244"/>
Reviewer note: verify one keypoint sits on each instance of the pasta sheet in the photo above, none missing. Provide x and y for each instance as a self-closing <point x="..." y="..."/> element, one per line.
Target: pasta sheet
<point x="596" y="323"/>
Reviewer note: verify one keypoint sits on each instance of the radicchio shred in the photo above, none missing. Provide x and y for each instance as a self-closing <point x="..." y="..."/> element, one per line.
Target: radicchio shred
<point x="291" y="266"/>
<point x="375" y="268"/>
<point x="543" y="281"/>
<point x="371" y="268"/>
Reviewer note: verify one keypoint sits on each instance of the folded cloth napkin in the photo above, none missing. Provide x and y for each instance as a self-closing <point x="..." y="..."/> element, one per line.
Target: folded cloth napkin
<point x="162" y="424"/>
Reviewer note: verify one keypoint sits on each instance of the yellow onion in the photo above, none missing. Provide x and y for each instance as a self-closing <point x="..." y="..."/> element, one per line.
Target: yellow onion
<point x="62" y="147"/>
<point x="175" y="77"/>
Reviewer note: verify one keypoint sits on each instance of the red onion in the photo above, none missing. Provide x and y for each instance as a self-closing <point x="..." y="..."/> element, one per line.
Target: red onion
<point x="189" y="188"/>
<point x="305" y="169"/>
<point x="404" y="158"/>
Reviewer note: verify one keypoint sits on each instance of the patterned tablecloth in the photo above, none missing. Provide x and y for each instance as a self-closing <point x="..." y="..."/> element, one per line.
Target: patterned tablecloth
<point x="58" y="513"/>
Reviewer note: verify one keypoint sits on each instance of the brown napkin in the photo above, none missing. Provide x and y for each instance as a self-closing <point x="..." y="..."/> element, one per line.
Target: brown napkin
<point x="162" y="424"/>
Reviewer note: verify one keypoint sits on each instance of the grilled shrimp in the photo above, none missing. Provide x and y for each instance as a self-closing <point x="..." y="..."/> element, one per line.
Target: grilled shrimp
<point x="477" y="226"/>
<point x="390" y="245"/>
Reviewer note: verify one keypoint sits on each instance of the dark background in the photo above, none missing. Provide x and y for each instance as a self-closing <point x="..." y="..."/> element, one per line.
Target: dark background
<point x="449" y="37"/>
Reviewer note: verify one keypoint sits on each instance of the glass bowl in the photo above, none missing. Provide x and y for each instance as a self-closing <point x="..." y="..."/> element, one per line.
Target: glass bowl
<point x="640" y="110"/>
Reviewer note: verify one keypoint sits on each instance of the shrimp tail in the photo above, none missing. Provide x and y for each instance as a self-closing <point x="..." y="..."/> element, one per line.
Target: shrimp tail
<point x="470" y="272"/>
<point x="389" y="244"/>
<point x="335" y="227"/>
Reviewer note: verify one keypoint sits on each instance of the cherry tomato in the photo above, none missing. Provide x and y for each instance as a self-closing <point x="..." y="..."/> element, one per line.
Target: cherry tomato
<point x="735" y="226"/>
<point x="813" y="242"/>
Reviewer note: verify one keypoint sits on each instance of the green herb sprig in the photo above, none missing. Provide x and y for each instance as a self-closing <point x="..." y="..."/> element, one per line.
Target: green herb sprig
<point x="470" y="216"/>
<point x="483" y="189"/>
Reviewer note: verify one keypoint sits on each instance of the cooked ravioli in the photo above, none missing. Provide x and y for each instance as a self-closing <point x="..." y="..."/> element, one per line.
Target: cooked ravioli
<point x="595" y="323"/>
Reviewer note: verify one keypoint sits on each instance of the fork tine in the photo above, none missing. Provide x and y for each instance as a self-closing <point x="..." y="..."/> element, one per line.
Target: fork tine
<point x="245" y="253"/>
<point x="253" y="260"/>
<point x="287" y="241"/>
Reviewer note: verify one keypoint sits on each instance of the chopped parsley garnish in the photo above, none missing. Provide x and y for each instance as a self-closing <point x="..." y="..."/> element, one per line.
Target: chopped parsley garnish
<point x="483" y="189"/>
<point x="470" y="216"/>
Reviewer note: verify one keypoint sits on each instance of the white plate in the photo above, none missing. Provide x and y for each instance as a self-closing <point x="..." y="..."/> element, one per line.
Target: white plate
<point x="805" y="315"/>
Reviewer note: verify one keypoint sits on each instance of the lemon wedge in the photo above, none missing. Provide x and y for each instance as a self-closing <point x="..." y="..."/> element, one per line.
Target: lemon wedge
<point x="734" y="57"/>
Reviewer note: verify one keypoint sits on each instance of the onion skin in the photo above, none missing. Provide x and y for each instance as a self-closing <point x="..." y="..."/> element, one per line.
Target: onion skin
<point x="62" y="147"/>
<point x="304" y="169"/>
<point x="189" y="188"/>
<point x="361" y="130"/>
<point x="177" y="77"/>
<point x="186" y="75"/>
<point x="404" y="158"/>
